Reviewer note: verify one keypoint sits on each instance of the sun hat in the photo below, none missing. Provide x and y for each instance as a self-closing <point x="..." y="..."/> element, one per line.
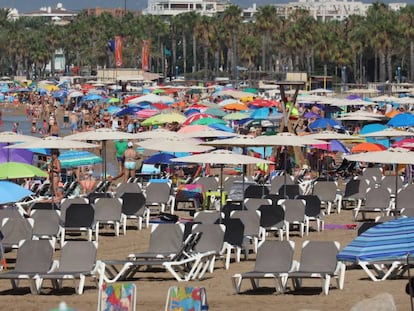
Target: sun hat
<point x="130" y="144"/>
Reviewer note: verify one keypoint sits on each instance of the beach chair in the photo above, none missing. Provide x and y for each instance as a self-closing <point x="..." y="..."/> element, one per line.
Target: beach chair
<point x="208" y="217"/>
<point x="274" y="261"/>
<point x="159" y="194"/>
<point x="46" y="224"/>
<point x="77" y="261"/>
<point x="278" y="181"/>
<point x="117" y="296"/>
<point x="79" y="217"/>
<point x="252" y="204"/>
<point x="318" y="260"/>
<point x="186" y="265"/>
<point x="355" y="191"/>
<point x="377" y="200"/>
<point x="108" y="211"/>
<point x="272" y="219"/>
<point x="294" y="215"/>
<point x="165" y="242"/>
<point x="33" y="257"/>
<point x="134" y="207"/>
<point x="14" y="231"/>
<point x="313" y="212"/>
<point x="256" y="191"/>
<point x="186" y="298"/>
<point x="327" y="193"/>
<point x="67" y="202"/>
<point x="127" y="188"/>
<point x="253" y="233"/>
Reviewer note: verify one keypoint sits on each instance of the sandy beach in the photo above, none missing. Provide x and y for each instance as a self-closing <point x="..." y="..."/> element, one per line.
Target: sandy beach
<point x="152" y="286"/>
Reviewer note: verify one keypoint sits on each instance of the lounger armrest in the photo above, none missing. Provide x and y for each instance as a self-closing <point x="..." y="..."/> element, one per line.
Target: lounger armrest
<point x="55" y="266"/>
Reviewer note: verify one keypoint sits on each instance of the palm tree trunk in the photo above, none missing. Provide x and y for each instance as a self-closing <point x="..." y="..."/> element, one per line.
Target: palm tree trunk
<point x="184" y="54"/>
<point x="411" y="71"/>
<point x="376" y="67"/>
<point x="382" y="68"/>
<point x="206" y="67"/>
<point x="389" y="67"/>
<point x="264" y="52"/>
<point x="194" y="53"/>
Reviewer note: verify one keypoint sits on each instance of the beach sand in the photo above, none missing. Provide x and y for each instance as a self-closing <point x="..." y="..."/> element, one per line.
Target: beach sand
<point x="152" y="286"/>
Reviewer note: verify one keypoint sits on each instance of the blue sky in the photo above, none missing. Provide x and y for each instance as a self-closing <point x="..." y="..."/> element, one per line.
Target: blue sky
<point x="33" y="5"/>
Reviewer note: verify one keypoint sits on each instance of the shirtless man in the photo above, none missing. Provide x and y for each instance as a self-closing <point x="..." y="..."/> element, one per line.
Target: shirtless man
<point x="130" y="156"/>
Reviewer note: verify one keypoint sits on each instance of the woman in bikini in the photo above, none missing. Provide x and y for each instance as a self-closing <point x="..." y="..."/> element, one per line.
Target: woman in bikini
<point x="54" y="170"/>
<point x="130" y="156"/>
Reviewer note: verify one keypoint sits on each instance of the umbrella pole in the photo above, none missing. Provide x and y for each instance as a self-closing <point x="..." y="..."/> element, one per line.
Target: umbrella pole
<point x="221" y="190"/>
<point x="285" y="175"/>
<point x="409" y="283"/>
<point x="104" y="162"/>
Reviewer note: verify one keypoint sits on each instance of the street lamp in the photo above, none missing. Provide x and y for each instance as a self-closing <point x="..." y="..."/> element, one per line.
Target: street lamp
<point x="399" y="74"/>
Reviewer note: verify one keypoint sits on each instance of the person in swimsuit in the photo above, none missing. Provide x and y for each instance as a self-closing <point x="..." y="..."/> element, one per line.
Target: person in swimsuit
<point x="130" y="156"/>
<point x="54" y="170"/>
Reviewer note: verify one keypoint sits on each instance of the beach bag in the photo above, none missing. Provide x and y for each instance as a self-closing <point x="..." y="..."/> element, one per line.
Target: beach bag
<point x="186" y="298"/>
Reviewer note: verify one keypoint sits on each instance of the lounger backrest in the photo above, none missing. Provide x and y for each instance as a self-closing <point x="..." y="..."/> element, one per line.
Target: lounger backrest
<point x="15" y="230"/>
<point x="373" y="173"/>
<point x="79" y="216"/>
<point x="325" y="190"/>
<point x="250" y="220"/>
<point x="158" y="192"/>
<point x="255" y="203"/>
<point x="212" y="238"/>
<point x="166" y="238"/>
<point x="377" y="198"/>
<point x="9" y="213"/>
<point x="46" y="222"/>
<point x="108" y="209"/>
<point x="207" y="217"/>
<point x="313" y="205"/>
<point x="34" y="256"/>
<point x="133" y="204"/>
<point x="405" y="198"/>
<point x="67" y="202"/>
<point x="319" y="256"/>
<point x="391" y="182"/>
<point x="291" y="191"/>
<point x="256" y="191"/>
<point x="275" y="256"/>
<point x="230" y="207"/>
<point x="271" y="216"/>
<point x="210" y="183"/>
<point x="294" y="209"/>
<point x="278" y="181"/>
<point x="78" y="256"/>
<point x="97" y="195"/>
<point x="234" y="234"/>
<point x="127" y="188"/>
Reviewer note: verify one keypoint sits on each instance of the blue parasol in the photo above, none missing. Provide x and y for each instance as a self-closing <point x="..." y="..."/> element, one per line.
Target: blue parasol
<point x="162" y="157"/>
<point x="392" y="240"/>
<point x="11" y="192"/>
<point x="402" y="120"/>
<point x="323" y="123"/>
<point x="75" y="158"/>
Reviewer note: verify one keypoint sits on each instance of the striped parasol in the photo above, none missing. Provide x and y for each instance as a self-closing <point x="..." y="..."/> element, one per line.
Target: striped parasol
<point x="75" y="158"/>
<point x="392" y="240"/>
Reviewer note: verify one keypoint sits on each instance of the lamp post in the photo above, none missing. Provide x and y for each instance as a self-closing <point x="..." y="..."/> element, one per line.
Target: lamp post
<point x="399" y="74"/>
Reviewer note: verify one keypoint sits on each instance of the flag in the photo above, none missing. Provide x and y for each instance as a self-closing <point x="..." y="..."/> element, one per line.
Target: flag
<point x="118" y="51"/>
<point x="167" y="52"/>
<point x="111" y="45"/>
<point x="146" y="44"/>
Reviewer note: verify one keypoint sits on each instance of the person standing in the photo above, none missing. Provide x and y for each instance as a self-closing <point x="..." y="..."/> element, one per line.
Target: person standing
<point x="120" y="147"/>
<point x="54" y="169"/>
<point x="130" y="156"/>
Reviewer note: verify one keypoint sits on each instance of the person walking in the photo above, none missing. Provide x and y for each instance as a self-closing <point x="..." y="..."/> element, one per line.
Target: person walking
<point x="130" y="158"/>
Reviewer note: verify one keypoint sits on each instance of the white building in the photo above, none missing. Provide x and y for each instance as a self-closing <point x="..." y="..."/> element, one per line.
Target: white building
<point x="59" y="15"/>
<point x="175" y="7"/>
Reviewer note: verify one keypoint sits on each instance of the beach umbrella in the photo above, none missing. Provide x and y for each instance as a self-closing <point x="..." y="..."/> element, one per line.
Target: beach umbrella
<point x="52" y="142"/>
<point x="236" y="116"/>
<point x="216" y="112"/>
<point x="103" y="135"/>
<point x="191" y="111"/>
<point x="389" y="133"/>
<point x="15" y="155"/>
<point x="334" y="145"/>
<point x="404" y="143"/>
<point x="207" y="133"/>
<point x="311" y="114"/>
<point x="154" y="134"/>
<point x="323" y="123"/>
<point x="221" y="157"/>
<point x="402" y="120"/>
<point x="147" y="113"/>
<point x="113" y="100"/>
<point x="160" y="106"/>
<point x="208" y="121"/>
<point x="236" y="106"/>
<point x="368" y="147"/>
<point x="130" y="110"/>
<point x="194" y="117"/>
<point x="11" y="137"/>
<point x="390" y="241"/>
<point x="174" y="144"/>
<point x="163" y="118"/>
<point x="162" y="157"/>
<point x="76" y="158"/>
<point x="11" y="192"/>
<point x="329" y="135"/>
<point x="372" y="128"/>
<point x="16" y="170"/>
<point x="221" y="127"/>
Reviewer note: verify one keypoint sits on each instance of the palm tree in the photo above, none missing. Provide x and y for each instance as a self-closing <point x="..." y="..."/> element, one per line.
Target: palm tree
<point x="407" y="30"/>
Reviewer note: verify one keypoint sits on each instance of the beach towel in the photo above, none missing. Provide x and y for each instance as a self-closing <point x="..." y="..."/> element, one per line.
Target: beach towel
<point x="182" y="298"/>
<point x="117" y="297"/>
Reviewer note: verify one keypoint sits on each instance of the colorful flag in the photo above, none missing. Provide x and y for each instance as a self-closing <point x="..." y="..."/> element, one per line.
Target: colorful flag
<point x="146" y="44"/>
<point x="118" y="51"/>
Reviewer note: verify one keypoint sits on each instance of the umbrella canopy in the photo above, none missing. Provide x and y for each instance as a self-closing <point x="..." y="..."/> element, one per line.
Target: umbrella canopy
<point x="208" y="121"/>
<point x="221" y="156"/>
<point x="389" y="156"/>
<point x="52" y="142"/>
<point x="75" y="158"/>
<point x="147" y="113"/>
<point x="368" y="147"/>
<point x="402" y="120"/>
<point x="215" y="112"/>
<point x="174" y="144"/>
<point x="236" y="116"/>
<point x="11" y="137"/>
<point x="238" y="141"/>
<point x="100" y="134"/>
<point x="206" y="132"/>
<point x="286" y="139"/>
<point x="334" y="145"/>
<point x="163" y="118"/>
<point x="15" y="170"/>
<point x="11" y="192"/>
<point x="195" y="117"/>
<point x="392" y="240"/>
<point x="15" y="155"/>
<point x="388" y="133"/>
<point x="162" y="157"/>
<point x="130" y="110"/>
<point x="157" y="133"/>
<point x="332" y="135"/>
<point x="323" y="123"/>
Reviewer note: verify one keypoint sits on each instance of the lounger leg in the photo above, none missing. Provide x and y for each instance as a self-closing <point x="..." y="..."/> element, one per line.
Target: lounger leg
<point x="325" y="284"/>
<point x="369" y="272"/>
<point x="237" y="281"/>
<point x="341" y="277"/>
<point x="81" y="284"/>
